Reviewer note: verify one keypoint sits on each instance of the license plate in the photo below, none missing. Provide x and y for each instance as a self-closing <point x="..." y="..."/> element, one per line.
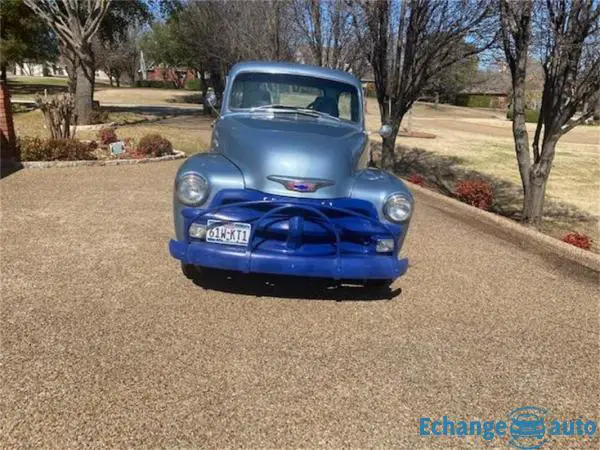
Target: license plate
<point x="232" y="233"/>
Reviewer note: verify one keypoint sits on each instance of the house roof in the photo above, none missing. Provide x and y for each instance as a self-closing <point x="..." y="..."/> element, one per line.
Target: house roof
<point x="490" y="82"/>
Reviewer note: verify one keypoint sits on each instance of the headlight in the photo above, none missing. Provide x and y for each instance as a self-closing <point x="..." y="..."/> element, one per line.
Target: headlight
<point x="397" y="208"/>
<point x="192" y="189"/>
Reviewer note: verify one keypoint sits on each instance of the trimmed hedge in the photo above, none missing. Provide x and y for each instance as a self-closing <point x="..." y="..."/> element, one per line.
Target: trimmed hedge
<point x="37" y="149"/>
<point x="474" y="100"/>
<point x="193" y="85"/>
<point x="155" y="84"/>
<point x="531" y="115"/>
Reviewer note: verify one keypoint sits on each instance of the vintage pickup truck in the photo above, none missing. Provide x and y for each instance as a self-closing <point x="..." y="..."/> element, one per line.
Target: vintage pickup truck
<point x="286" y="188"/>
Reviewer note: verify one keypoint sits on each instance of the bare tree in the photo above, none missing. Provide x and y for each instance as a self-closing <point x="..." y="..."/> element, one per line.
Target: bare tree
<point x="325" y="28"/>
<point x="412" y="41"/>
<point x="119" y="58"/>
<point x="229" y="31"/>
<point x="567" y="40"/>
<point x="75" y="24"/>
<point x="516" y="19"/>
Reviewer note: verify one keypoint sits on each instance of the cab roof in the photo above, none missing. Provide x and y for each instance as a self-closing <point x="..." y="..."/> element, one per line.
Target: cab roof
<point x="296" y="69"/>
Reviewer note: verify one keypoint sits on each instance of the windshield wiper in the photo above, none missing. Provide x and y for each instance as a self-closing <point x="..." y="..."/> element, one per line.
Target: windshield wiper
<point x="286" y="109"/>
<point x="295" y="109"/>
<point x="324" y="114"/>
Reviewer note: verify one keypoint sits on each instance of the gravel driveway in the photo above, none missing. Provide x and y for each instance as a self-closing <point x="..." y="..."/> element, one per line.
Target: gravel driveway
<point x="105" y="343"/>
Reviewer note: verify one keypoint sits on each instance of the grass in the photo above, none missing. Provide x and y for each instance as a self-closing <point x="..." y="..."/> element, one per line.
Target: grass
<point x="189" y="133"/>
<point x="482" y="139"/>
<point x="25" y="88"/>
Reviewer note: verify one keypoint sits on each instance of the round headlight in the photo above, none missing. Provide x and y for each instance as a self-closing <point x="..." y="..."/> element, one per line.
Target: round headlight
<point x="192" y="189"/>
<point x="397" y="208"/>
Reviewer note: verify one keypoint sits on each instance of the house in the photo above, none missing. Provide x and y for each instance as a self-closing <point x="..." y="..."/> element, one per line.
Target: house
<point x="491" y="89"/>
<point x="176" y="75"/>
<point x="48" y="69"/>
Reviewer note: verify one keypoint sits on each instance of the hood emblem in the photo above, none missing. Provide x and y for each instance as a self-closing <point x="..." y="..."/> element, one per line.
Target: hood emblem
<point x="301" y="184"/>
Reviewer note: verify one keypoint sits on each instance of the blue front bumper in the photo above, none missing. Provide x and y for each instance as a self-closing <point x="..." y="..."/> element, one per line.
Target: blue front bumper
<point x="355" y="267"/>
<point x="314" y="238"/>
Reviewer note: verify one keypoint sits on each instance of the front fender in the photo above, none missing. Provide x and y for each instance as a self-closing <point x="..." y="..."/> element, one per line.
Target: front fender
<point x="375" y="185"/>
<point x="220" y="173"/>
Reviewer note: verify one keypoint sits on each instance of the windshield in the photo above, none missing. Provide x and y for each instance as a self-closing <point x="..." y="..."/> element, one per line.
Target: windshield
<point x="294" y="93"/>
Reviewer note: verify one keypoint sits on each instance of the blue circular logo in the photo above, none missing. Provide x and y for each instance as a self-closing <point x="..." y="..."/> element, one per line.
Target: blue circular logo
<point x="527" y="427"/>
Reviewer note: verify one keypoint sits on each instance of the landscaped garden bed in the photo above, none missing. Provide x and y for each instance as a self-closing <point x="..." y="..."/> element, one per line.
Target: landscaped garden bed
<point x="61" y="148"/>
<point x="444" y="175"/>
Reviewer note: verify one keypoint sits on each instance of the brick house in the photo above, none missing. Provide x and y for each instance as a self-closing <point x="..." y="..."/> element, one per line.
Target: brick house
<point x="177" y="75"/>
<point x="8" y="148"/>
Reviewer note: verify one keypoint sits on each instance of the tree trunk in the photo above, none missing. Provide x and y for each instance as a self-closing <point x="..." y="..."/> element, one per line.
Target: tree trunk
<point x="118" y="79"/>
<point x="3" y="72"/>
<point x="387" y="152"/>
<point x="521" y="138"/>
<point x="534" y="202"/>
<point x="110" y="80"/>
<point x="388" y="149"/>
<point x="83" y="97"/>
<point x="533" y="205"/>
<point x="70" y="66"/>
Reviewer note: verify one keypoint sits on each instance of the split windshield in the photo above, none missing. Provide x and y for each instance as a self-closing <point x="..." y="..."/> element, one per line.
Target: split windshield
<point x="295" y="94"/>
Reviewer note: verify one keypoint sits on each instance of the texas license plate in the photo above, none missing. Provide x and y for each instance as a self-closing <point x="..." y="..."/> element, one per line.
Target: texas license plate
<point x="232" y="233"/>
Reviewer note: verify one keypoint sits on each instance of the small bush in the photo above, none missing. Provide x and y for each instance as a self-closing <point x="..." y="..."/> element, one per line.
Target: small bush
<point x="36" y="149"/>
<point x="154" y="145"/>
<point x="417" y="179"/>
<point x="531" y="115"/>
<point x="578" y="240"/>
<point x="476" y="193"/>
<point x="107" y="136"/>
<point x="193" y="85"/>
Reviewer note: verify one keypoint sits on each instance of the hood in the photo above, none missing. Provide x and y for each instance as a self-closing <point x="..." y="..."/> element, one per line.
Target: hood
<point x="313" y="154"/>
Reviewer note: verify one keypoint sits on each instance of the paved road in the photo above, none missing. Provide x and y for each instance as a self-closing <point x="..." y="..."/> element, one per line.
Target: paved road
<point x="105" y="343"/>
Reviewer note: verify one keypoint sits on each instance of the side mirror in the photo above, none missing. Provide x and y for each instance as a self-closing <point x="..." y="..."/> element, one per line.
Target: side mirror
<point x="385" y="131"/>
<point x="211" y="99"/>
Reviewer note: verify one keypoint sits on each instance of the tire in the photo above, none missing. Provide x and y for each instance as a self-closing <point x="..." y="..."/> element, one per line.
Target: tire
<point x="378" y="284"/>
<point x="190" y="271"/>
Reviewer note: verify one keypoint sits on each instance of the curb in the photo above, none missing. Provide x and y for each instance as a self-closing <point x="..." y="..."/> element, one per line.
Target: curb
<point x="96" y="162"/>
<point x="97" y="126"/>
<point x="508" y="229"/>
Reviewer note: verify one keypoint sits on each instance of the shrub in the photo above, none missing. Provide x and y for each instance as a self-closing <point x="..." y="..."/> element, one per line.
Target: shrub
<point x="155" y="84"/>
<point x="476" y="193"/>
<point x="193" y="85"/>
<point x="107" y="136"/>
<point x="417" y="179"/>
<point x="474" y="100"/>
<point x="32" y="148"/>
<point x="59" y="114"/>
<point x="154" y="145"/>
<point x="36" y="149"/>
<point x="578" y="240"/>
<point x="531" y="115"/>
